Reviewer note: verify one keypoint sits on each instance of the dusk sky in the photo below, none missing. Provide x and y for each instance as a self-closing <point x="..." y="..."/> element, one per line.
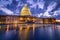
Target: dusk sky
<point x="39" y="8"/>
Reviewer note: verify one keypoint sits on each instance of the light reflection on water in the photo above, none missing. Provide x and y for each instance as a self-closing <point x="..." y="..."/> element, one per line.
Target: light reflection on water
<point x="30" y="32"/>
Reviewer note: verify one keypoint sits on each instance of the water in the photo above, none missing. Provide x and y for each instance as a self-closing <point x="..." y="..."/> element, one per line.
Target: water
<point x="30" y="32"/>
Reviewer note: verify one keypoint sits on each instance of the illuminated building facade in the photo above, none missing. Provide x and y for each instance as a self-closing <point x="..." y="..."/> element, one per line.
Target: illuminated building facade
<point x="25" y="17"/>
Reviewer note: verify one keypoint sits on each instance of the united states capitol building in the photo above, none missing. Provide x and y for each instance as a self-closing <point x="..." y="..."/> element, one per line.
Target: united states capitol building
<point x="25" y="17"/>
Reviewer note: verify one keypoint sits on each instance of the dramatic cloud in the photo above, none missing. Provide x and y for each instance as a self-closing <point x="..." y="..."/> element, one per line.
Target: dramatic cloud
<point x="5" y="3"/>
<point x="39" y="15"/>
<point x="7" y="11"/>
<point x="20" y="4"/>
<point x="57" y="12"/>
<point x="39" y="3"/>
<point x="51" y="6"/>
<point x="39" y="8"/>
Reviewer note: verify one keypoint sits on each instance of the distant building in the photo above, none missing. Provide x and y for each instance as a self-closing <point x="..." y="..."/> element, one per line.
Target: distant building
<point x="25" y="17"/>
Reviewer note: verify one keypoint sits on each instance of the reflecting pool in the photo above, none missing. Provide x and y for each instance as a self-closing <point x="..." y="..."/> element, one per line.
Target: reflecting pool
<point x="30" y="32"/>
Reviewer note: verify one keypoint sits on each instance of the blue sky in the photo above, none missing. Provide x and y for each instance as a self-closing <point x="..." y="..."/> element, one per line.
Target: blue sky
<point x="39" y="8"/>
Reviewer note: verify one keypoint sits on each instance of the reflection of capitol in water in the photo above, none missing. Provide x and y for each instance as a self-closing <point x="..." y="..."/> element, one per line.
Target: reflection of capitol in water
<point x="25" y="17"/>
<point x="24" y="26"/>
<point x="25" y="30"/>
